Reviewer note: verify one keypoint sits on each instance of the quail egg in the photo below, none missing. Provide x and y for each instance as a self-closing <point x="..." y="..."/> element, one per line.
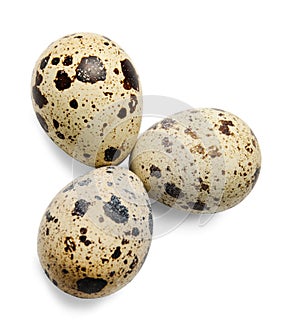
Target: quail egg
<point x="201" y="160"/>
<point x="87" y="97"/>
<point x="96" y="233"/>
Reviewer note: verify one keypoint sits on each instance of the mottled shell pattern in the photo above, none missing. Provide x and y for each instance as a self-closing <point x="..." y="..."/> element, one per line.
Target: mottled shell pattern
<point x="201" y="160"/>
<point x="95" y="234"/>
<point x="87" y="97"/>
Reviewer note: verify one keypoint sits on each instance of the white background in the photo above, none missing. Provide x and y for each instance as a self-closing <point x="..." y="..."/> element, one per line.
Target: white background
<point x="238" y="273"/>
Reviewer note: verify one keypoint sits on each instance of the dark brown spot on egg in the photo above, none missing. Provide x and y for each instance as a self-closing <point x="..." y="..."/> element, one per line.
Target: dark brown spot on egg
<point x="116" y="71"/>
<point x="91" y="69"/>
<point x="111" y="154"/>
<point x="249" y="148"/>
<point x="73" y="104"/>
<point x="155" y="171"/>
<point x="116" y="253"/>
<point x="38" y="97"/>
<point x="82" y="239"/>
<point x="85" y="182"/>
<point x="214" y="152"/>
<point x="62" y="80"/>
<point x="197" y="150"/>
<point x="68" y="61"/>
<point x="166" y="142"/>
<point x="55" y="124"/>
<point x="44" y="62"/>
<point x="90" y="285"/>
<point x="116" y="211"/>
<point x="204" y="187"/>
<point x="122" y="113"/>
<point x="81" y="207"/>
<point x="38" y="79"/>
<point x="131" y="78"/>
<point x="167" y="123"/>
<point x="108" y="93"/>
<point x="224" y="128"/>
<point x="189" y="132"/>
<point x="135" y="231"/>
<point x="134" y="262"/>
<point x="60" y="135"/>
<point x="70" y="245"/>
<point x="172" y="190"/>
<point x="133" y="103"/>
<point x="198" y="205"/>
<point x="42" y="122"/>
<point x="55" y="61"/>
<point x="48" y="216"/>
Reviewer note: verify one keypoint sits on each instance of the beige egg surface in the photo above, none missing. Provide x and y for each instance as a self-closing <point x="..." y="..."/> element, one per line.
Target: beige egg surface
<point x="95" y="234"/>
<point x="87" y="97"/>
<point x="200" y="160"/>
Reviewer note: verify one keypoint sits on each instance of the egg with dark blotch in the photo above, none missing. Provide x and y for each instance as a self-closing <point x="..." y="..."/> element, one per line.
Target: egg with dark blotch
<point x="87" y="97"/>
<point x="200" y="161"/>
<point x="95" y="234"/>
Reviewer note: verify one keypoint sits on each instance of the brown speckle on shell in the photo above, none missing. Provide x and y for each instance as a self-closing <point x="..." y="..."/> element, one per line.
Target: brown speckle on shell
<point x="62" y="80"/>
<point x="131" y="80"/>
<point x="38" y="97"/>
<point x="91" y="69"/>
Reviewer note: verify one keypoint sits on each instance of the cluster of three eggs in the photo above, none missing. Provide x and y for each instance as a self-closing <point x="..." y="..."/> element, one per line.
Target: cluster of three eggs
<point x="96" y="232"/>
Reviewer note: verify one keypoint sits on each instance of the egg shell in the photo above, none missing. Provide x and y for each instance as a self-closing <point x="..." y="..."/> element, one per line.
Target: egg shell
<point x="88" y="99"/>
<point x="201" y="160"/>
<point x="95" y="234"/>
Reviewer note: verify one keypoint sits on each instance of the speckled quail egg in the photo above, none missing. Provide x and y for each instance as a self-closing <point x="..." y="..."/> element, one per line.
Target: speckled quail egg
<point x="201" y="160"/>
<point x="96" y="233"/>
<point x="87" y="97"/>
